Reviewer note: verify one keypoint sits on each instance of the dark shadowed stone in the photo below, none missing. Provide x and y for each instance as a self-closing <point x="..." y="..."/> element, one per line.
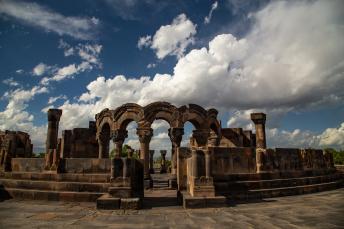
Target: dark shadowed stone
<point x="130" y="203"/>
<point x="108" y="202"/>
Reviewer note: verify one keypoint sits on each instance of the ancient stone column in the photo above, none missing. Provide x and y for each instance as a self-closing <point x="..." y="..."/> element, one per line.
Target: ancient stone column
<point x="118" y="138"/>
<point x="194" y="163"/>
<point x="103" y="143"/>
<point x="145" y="135"/>
<point x="201" y="136"/>
<point x="125" y="167"/>
<point x="207" y="163"/>
<point x="259" y="121"/>
<point x="151" y="161"/>
<point x="54" y="116"/>
<point x="163" y="168"/>
<point x="176" y="135"/>
<point x="130" y="153"/>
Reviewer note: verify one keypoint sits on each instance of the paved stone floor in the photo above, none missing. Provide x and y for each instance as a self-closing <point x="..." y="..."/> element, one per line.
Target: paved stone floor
<point x="320" y="210"/>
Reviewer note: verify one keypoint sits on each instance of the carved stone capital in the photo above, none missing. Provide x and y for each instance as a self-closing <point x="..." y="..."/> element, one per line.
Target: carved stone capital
<point x="258" y="118"/>
<point x="54" y="115"/>
<point x="163" y="153"/>
<point x="213" y="139"/>
<point x="201" y="136"/>
<point x="145" y="134"/>
<point x="151" y="153"/>
<point x="176" y="135"/>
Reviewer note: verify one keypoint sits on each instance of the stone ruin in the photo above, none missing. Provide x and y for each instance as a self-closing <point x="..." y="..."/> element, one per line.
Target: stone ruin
<point x="13" y="144"/>
<point x="220" y="165"/>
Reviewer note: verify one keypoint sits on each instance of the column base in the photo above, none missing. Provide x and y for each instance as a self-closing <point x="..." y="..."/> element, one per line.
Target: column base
<point x="148" y="183"/>
<point x="107" y="202"/>
<point x="163" y="170"/>
<point x="202" y="187"/>
<point x="172" y="183"/>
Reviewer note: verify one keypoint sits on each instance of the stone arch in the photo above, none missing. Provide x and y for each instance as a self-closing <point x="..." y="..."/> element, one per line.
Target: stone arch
<point x="127" y="113"/>
<point x="161" y="110"/>
<point x="103" y="138"/>
<point x="194" y="114"/>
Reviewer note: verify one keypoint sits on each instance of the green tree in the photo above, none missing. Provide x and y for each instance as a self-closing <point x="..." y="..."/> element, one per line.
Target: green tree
<point x="338" y="156"/>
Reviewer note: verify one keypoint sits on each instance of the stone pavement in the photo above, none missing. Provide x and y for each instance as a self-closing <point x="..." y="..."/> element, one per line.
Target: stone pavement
<point x="320" y="210"/>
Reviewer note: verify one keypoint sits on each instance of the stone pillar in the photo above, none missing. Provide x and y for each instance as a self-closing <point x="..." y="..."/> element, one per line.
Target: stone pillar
<point x="130" y="153"/>
<point x="194" y="163"/>
<point x="259" y="121"/>
<point x="207" y="163"/>
<point x="118" y="138"/>
<point x="66" y="144"/>
<point x="54" y="116"/>
<point x="176" y="135"/>
<point x="151" y="161"/>
<point x="103" y="143"/>
<point x="145" y="135"/>
<point x="163" y="168"/>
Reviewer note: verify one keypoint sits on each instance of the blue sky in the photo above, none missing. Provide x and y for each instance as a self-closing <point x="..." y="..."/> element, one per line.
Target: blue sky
<point x="284" y="58"/>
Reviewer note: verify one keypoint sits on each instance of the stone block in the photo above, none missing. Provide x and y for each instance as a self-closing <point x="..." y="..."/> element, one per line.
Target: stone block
<point x="130" y="203"/>
<point x="172" y="183"/>
<point x="203" y="202"/>
<point x="120" y="192"/>
<point x="108" y="202"/>
<point x="148" y="184"/>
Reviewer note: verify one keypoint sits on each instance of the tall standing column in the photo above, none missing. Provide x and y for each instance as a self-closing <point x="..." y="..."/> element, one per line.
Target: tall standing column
<point x="151" y="161"/>
<point x="259" y="121"/>
<point x="103" y="143"/>
<point x="163" y="161"/>
<point x="207" y="164"/>
<point x="176" y="135"/>
<point x="145" y="135"/>
<point x="194" y="162"/>
<point x="54" y="116"/>
<point x="118" y="138"/>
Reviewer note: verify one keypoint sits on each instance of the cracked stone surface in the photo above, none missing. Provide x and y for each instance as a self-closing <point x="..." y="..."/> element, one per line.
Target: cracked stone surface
<point x="320" y="210"/>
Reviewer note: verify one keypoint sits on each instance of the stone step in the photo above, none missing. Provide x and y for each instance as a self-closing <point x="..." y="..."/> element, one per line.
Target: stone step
<point x="32" y="194"/>
<point x="284" y="191"/>
<point x="274" y="175"/>
<point x="55" y="185"/>
<point x="228" y="199"/>
<point x="275" y="183"/>
<point x="76" y="177"/>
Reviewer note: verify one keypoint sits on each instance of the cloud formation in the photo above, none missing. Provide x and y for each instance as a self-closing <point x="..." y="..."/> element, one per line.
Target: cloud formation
<point x="207" y="19"/>
<point x="89" y="54"/>
<point x="171" y="39"/>
<point x="42" y="17"/>
<point x="277" y="67"/>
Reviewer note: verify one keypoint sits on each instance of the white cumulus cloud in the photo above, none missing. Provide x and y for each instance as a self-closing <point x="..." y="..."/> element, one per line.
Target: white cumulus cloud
<point x="171" y="39"/>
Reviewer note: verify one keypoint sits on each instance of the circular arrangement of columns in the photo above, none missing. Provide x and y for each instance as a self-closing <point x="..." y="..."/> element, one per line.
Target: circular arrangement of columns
<point x="112" y="124"/>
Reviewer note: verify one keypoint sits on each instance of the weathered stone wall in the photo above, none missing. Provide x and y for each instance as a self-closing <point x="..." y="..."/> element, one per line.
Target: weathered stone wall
<point x="13" y="144"/>
<point x="232" y="160"/>
<point x="79" y="143"/>
<point x="237" y="137"/>
<point x="68" y="165"/>
<point x="86" y="165"/>
<point x="27" y="164"/>
<point x="291" y="159"/>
